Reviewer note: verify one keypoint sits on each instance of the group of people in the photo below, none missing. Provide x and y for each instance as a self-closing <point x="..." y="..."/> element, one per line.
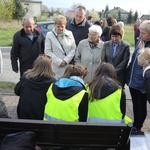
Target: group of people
<point x="79" y="72"/>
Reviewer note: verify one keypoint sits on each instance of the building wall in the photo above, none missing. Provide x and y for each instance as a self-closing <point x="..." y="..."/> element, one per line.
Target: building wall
<point x="32" y="8"/>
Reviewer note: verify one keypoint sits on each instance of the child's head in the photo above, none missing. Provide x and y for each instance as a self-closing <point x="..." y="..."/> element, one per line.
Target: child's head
<point x="144" y="57"/>
<point x="75" y="70"/>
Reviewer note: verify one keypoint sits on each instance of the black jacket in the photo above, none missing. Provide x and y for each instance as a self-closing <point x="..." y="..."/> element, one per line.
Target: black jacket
<point x="26" y="50"/>
<point x="32" y="100"/>
<point x="79" y="31"/>
<point x="147" y="82"/>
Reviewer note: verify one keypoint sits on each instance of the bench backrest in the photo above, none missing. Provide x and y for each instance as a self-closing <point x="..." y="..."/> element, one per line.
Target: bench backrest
<point x="70" y="134"/>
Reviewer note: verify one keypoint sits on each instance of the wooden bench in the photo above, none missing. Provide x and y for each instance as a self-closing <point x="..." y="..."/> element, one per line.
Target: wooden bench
<point x="79" y="134"/>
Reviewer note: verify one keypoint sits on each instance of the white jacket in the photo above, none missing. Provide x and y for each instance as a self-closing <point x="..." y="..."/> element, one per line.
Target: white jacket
<point x="54" y="50"/>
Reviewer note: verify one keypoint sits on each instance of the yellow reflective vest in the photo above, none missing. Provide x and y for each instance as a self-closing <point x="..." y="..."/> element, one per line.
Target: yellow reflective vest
<point x="107" y="110"/>
<point x="62" y="110"/>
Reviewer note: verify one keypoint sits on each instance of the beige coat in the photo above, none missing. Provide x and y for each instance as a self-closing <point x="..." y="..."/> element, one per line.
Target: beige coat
<point x="54" y="50"/>
<point x="88" y="57"/>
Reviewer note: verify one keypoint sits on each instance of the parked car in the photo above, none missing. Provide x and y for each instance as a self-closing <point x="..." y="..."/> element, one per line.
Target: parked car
<point x="44" y="27"/>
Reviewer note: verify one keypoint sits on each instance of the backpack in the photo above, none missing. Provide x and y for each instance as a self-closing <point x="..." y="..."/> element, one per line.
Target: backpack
<point x="25" y="140"/>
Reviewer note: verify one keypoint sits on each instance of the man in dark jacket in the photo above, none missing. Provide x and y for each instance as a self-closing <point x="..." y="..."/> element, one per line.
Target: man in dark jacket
<point x="28" y="43"/>
<point x="79" y="25"/>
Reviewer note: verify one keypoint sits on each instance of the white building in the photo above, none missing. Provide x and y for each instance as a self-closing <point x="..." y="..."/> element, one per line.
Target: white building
<point x="32" y="8"/>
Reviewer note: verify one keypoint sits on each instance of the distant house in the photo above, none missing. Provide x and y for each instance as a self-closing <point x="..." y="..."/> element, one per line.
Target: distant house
<point x="145" y="17"/>
<point x="70" y="14"/>
<point x="32" y="8"/>
<point x="114" y="12"/>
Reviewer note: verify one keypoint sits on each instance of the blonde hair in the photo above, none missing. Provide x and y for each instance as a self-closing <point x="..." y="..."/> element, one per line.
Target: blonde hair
<point x="145" y="25"/>
<point x="75" y="70"/>
<point x="144" y="57"/>
<point x="41" y="68"/>
<point x="61" y="20"/>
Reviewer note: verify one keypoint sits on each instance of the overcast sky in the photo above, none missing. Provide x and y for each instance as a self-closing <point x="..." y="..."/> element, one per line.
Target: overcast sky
<point x="142" y="6"/>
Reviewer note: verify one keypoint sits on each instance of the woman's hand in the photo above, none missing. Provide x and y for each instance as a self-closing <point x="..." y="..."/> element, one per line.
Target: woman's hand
<point x="63" y="64"/>
<point x="141" y="44"/>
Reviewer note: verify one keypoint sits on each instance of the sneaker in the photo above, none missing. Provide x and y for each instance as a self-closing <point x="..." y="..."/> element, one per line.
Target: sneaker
<point x="136" y="131"/>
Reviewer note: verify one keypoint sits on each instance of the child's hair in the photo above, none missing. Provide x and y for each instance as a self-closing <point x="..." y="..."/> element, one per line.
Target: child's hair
<point x="75" y="70"/>
<point x="41" y="68"/>
<point x="101" y="75"/>
<point x="144" y="57"/>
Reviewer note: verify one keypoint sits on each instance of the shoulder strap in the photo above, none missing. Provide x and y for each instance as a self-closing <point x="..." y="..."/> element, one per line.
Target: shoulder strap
<point x="60" y="43"/>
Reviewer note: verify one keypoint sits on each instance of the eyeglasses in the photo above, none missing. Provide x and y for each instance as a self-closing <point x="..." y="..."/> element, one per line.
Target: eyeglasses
<point x="92" y="35"/>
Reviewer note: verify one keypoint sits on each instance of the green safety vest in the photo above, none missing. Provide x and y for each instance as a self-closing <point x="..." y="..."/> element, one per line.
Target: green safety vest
<point x="107" y="110"/>
<point x="62" y="110"/>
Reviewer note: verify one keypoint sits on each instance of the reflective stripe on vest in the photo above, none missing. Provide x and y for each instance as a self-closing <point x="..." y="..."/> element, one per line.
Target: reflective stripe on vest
<point x="107" y="109"/>
<point x="66" y="110"/>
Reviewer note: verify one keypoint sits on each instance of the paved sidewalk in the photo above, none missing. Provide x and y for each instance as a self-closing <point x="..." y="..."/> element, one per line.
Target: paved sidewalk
<point x="11" y="102"/>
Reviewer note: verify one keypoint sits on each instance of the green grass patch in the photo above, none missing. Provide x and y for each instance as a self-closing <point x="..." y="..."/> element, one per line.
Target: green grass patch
<point x="129" y="34"/>
<point x="6" y="36"/>
<point x="7" y="30"/>
<point x="7" y="85"/>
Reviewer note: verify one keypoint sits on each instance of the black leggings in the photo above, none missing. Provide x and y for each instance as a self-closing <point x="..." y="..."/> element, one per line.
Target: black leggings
<point x="139" y="107"/>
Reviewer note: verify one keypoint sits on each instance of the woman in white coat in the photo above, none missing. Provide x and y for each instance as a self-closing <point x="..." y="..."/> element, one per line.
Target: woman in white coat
<point x="60" y="45"/>
<point x="89" y="51"/>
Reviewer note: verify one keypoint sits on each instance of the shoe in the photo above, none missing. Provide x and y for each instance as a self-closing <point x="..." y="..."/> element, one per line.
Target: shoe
<point x="136" y="131"/>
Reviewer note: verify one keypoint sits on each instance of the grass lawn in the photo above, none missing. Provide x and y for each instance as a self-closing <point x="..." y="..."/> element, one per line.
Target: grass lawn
<point x="7" y="87"/>
<point x="129" y="34"/>
<point x="8" y="29"/>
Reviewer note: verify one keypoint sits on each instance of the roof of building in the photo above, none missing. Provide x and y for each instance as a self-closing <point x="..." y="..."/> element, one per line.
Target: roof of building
<point x="118" y="9"/>
<point x="145" y="17"/>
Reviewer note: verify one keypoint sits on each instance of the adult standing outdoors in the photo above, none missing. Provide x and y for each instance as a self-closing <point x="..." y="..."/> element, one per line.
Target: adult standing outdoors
<point x="89" y="51"/>
<point x="117" y="52"/>
<point x="110" y="22"/>
<point x="3" y="109"/>
<point x="135" y="81"/>
<point x="136" y="31"/>
<point x="28" y="43"/>
<point x="79" y="24"/>
<point x="60" y="45"/>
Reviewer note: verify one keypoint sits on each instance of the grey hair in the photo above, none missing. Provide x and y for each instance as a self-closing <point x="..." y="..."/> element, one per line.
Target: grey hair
<point x="97" y="29"/>
<point x="28" y="19"/>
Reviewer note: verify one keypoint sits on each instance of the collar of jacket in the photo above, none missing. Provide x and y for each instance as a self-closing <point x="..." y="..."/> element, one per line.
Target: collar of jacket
<point x="81" y="25"/>
<point x="65" y="32"/>
<point x="119" y="43"/>
<point x="35" y="32"/>
<point x="99" y="44"/>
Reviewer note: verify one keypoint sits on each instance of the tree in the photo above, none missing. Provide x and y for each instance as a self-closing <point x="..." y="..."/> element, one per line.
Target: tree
<point x="119" y="15"/>
<point x="106" y="11"/>
<point x="135" y="16"/>
<point x="130" y="17"/>
<point x="18" y="12"/>
<point x="6" y="10"/>
<point x="95" y="15"/>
